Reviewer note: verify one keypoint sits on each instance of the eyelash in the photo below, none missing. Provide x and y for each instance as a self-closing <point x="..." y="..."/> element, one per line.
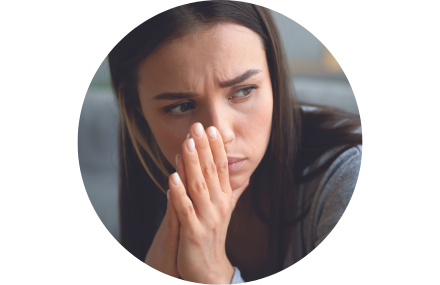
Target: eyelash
<point x="168" y="109"/>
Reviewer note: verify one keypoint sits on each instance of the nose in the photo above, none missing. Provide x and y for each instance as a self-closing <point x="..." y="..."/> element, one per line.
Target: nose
<point x="218" y="117"/>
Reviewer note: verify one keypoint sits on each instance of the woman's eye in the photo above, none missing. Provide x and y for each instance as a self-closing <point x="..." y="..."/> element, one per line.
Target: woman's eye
<point x="179" y="109"/>
<point x="185" y="107"/>
<point x="244" y="92"/>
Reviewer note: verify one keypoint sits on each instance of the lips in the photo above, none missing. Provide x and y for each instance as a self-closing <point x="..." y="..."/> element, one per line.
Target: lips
<point x="234" y="159"/>
<point x="235" y="163"/>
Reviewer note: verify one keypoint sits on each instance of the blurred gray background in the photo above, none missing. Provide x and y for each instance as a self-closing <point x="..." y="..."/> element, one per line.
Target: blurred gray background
<point x="316" y="76"/>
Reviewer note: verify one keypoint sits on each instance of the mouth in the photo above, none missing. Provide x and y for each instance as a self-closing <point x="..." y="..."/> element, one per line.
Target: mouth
<point x="232" y="159"/>
<point x="235" y="163"/>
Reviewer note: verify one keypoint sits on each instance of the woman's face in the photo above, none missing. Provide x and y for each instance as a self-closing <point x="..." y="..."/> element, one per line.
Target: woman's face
<point x="218" y="77"/>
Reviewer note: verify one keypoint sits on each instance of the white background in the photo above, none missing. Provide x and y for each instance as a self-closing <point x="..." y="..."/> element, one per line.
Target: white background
<point x="50" y="50"/>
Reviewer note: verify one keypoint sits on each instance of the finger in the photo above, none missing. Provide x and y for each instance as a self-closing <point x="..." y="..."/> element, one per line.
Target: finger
<point x="173" y="220"/>
<point x="181" y="202"/>
<point x="181" y="171"/>
<point x="220" y="158"/>
<point x="207" y="165"/>
<point x="197" y="187"/>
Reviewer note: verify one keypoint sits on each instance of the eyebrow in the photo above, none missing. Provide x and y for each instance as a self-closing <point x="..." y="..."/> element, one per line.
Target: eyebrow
<point x="239" y="78"/>
<point x="224" y="84"/>
<point x="174" y="96"/>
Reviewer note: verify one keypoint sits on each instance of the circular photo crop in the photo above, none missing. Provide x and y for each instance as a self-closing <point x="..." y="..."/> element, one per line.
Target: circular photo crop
<point x="219" y="142"/>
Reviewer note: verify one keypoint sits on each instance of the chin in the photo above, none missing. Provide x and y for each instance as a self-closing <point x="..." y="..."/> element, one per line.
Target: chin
<point x="237" y="182"/>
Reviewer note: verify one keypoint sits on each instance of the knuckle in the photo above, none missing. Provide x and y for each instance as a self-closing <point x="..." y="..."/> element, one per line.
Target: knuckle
<point x="215" y="223"/>
<point x="223" y="209"/>
<point x="222" y="167"/>
<point x="200" y="186"/>
<point x="193" y="160"/>
<point x="188" y="211"/>
<point x="203" y="144"/>
<point x="210" y="170"/>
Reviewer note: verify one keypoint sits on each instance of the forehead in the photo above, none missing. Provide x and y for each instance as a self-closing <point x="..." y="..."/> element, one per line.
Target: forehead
<point x="204" y="57"/>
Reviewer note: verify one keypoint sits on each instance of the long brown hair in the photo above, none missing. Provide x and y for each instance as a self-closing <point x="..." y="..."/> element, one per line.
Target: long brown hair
<point x="296" y="138"/>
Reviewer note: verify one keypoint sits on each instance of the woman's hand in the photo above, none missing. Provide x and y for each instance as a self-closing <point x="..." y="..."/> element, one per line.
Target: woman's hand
<point x="204" y="217"/>
<point x="162" y="254"/>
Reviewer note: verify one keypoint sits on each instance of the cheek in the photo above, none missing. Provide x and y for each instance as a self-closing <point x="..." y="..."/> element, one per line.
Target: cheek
<point x="253" y="133"/>
<point x="169" y="137"/>
<point x="265" y="112"/>
<point x="253" y="130"/>
<point x="259" y="122"/>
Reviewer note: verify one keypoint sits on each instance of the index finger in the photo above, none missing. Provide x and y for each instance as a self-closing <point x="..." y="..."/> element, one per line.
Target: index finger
<point x="220" y="158"/>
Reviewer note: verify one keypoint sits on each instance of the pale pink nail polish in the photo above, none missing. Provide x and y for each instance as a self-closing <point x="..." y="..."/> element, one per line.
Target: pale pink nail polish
<point x="212" y="133"/>
<point x="191" y="145"/>
<point x="176" y="179"/>
<point x="198" y="130"/>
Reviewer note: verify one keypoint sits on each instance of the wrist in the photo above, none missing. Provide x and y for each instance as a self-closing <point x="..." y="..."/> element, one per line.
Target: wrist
<point x="223" y="275"/>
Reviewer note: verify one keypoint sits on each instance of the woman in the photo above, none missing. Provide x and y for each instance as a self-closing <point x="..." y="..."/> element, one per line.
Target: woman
<point x="256" y="181"/>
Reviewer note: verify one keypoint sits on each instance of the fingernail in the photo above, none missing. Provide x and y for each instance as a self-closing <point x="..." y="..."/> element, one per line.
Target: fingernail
<point x="176" y="179"/>
<point x="212" y="133"/>
<point x="187" y="136"/>
<point x="177" y="160"/>
<point x="168" y="194"/>
<point x="191" y="145"/>
<point x="198" y="130"/>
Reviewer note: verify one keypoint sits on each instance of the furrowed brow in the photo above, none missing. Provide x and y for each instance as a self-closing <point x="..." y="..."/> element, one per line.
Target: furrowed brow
<point x="188" y="95"/>
<point x="174" y="96"/>
<point x="239" y="78"/>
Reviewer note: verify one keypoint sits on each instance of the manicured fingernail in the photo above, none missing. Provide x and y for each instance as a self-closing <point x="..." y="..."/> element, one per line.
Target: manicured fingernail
<point x="176" y="179"/>
<point x="187" y="136"/>
<point x="168" y="194"/>
<point x="177" y="160"/>
<point x="191" y="145"/>
<point x="198" y="130"/>
<point x="212" y="133"/>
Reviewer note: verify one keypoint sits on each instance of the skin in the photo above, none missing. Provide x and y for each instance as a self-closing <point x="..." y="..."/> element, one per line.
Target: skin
<point x="191" y="239"/>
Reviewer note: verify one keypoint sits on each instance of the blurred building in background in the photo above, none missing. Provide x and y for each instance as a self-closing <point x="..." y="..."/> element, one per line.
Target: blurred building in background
<point x="316" y="77"/>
